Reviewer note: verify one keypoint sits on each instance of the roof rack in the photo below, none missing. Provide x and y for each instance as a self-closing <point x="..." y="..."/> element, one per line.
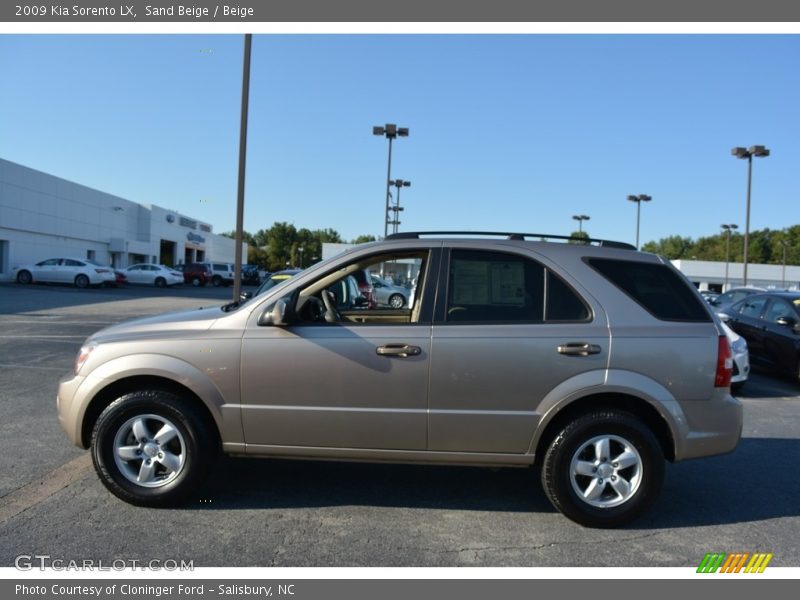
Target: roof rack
<point x="544" y="237"/>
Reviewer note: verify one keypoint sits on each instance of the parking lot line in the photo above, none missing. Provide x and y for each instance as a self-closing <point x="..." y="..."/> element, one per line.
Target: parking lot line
<point x="38" y="491"/>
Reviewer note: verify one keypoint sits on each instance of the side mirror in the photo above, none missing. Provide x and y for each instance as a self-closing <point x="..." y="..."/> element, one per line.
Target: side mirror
<point x="278" y="316"/>
<point x="245" y="296"/>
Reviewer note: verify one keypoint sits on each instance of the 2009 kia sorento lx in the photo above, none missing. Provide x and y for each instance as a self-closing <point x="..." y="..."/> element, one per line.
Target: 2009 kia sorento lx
<point x="594" y="361"/>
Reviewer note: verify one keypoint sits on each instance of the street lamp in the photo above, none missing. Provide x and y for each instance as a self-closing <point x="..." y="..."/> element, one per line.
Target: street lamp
<point x="639" y="199"/>
<point x="729" y="227"/>
<point x="396" y="208"/>
<point x="580" y="219"/>
<point x="300" y="251"/>
<point x="748" y="153"/>
<point x="784" y="243"/>
<point x="391" y="131"/>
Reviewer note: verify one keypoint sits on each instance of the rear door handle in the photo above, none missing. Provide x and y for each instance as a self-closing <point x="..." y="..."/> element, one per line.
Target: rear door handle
<point x="401" y="350"/>
<point x="578" y="349"/>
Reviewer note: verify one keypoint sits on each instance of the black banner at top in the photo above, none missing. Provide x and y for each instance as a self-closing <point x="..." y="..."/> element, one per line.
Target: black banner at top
<point x="453" y="11"/>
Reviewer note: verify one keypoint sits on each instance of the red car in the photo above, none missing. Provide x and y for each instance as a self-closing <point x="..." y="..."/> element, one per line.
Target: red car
<point x="366" y="288"/>
<point x="197" y="274"/>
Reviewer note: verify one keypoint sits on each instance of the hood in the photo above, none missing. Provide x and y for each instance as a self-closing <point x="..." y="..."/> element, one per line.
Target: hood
<point x="182" y="323"/>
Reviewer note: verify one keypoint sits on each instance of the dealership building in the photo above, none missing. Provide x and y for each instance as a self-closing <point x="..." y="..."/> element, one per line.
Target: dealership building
<point x="43" y="216"/>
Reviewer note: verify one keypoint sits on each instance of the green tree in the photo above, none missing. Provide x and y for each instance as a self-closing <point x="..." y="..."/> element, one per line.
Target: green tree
<point x="578" y="237"/>
<point x="363" y="239"/>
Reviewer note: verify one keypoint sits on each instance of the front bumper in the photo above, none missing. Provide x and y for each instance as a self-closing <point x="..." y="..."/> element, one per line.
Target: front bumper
<point x="70" y="413"/>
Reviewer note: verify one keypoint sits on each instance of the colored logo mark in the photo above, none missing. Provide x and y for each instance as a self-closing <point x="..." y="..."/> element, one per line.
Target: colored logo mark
<point x="742" y="562"/>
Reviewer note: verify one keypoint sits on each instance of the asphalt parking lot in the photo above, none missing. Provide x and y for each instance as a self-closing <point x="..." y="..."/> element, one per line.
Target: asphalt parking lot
<point x="290" y="513"/>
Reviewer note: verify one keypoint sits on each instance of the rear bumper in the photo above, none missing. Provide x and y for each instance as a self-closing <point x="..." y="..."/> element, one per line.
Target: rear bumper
<point x="714" y="427"/>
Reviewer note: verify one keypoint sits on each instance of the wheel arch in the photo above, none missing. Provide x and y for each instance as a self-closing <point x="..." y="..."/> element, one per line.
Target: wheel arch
<point x="120" y="387"/>
<point x="558" y="417"/>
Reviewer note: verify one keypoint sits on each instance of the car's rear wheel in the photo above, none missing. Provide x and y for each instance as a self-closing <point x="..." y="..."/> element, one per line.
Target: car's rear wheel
<point x="24" y="277"/>
<point x="396" y="301"/>
<point x="151" y="448"/>
<point x="161" y="282"/>
<point x="82" y="281"/>
<point x="604" y="469"/>
<point x="196" y="281"/>
<point x="216" y="281"/>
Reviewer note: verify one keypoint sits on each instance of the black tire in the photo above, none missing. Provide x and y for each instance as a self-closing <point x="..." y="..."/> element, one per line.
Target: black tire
<point x="82" y="281"/>
<point x="397" y="301"/>
<point x="195" y="444"/>
<point x="216" y="281"/>
<point x="644" y="479"/>
<point x="196" y="281"/>
<point x="24" y="277"/>
<point x="161" y="282"/>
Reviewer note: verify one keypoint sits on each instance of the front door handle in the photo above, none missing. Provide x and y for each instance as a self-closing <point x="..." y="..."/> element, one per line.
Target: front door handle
<point x="578" y="349"/>
<point x="401" y="350"/>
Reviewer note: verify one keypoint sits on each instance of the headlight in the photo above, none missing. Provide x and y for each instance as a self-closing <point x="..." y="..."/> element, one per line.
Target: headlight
<point x="739" y="345"/>
<point x="83" y="354"/>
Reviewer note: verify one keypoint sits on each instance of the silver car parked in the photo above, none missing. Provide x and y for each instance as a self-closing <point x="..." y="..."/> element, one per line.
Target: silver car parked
<point x="595" y="362"/>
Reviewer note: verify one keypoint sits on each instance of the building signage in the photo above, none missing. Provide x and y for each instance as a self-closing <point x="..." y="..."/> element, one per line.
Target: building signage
<point x="197" y="239"/>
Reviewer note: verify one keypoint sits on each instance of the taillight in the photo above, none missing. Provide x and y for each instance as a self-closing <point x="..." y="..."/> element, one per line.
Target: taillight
<point x="724" y="363"/>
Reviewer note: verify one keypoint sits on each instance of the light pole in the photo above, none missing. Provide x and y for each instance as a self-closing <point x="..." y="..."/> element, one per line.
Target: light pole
<point x="391" y="131"/>
<point x="639" y="199"/>
<point x="237" y="253"/>
<point x="728" y="227"/>
<point x="300" y="251"/>
<point x="748" y="153"/>
<point x="783" y="270"/>
<point x="580" y="219"/>
<point x="397" y="209"/>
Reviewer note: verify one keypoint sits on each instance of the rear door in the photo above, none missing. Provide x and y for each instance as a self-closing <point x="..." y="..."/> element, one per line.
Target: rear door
<point x="506" y="332"/>
<point x="780" y="342"/>
<point x="747" y="323"/>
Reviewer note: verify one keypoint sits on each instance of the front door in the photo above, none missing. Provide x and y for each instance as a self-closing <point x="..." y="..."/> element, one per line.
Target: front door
<point x="346" y="375"/>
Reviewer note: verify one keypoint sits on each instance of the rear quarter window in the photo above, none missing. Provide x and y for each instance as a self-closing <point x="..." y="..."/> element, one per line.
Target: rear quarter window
<point x="657" y="288"/>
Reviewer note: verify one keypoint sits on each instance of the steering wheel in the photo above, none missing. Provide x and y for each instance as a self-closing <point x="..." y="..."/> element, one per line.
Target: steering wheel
<point x="332" y="314"/>
<point x="313" y="309"/>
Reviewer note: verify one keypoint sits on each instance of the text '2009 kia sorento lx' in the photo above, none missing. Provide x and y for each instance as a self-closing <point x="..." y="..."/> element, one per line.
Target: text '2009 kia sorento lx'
<point x="595" y="362"/>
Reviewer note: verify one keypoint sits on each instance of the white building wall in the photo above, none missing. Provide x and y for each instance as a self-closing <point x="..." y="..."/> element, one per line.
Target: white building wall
<point x="43" y="216"/>
<point x="709" y="274"/>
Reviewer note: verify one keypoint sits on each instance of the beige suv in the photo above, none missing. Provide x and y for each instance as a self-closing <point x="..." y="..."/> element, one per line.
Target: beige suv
<point x="593" y="361"/>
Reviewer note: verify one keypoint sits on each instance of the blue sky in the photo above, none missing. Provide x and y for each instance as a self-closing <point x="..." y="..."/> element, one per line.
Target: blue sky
<point x="508" y="132"/>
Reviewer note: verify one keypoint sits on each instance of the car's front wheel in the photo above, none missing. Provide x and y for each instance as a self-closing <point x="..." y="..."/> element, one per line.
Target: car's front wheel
<point x="152" y="448"/>
<point x="24" y="277"/>
<point x="604" y="469"/>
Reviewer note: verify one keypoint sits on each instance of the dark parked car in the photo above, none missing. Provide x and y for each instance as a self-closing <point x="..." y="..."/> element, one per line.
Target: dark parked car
<point x="251" y="275"/>
<point x="723" y="301"/>
<point x="270" y="282"/>
<point x="770" y="323"/>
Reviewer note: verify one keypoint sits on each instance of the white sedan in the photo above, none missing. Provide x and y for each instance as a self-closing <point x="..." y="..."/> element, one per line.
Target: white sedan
<point x="149" y="274"/>
<point x="741" y="358"/>
<point x="78" y="271"/>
